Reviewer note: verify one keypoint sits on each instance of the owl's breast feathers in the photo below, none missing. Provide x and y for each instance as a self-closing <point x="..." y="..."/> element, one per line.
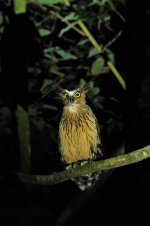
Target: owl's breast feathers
<point x="79" y="134"/>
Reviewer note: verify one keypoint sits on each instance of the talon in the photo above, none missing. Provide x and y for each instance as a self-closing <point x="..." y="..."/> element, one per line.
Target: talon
<point x="68" y="167"/>
<point x="72" y="166"/>
<point x="89" y="160"/>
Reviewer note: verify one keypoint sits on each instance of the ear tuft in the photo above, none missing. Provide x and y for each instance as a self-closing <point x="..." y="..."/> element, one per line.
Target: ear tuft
<point x="84" y="87"/>
<point x="60" y="90"/>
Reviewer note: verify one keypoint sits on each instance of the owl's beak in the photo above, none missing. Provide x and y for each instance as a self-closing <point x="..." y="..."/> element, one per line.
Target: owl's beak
<point x="71" y="99"/>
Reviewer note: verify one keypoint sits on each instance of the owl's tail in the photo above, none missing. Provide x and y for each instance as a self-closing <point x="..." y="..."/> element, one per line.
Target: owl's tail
<point x="87" y="181"/>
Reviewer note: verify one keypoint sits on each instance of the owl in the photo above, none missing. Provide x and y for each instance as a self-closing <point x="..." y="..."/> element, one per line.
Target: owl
<point x="79" y="134"/>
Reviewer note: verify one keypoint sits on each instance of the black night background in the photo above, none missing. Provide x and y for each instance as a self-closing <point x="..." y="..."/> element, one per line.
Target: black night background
<point x="40" y="51"/>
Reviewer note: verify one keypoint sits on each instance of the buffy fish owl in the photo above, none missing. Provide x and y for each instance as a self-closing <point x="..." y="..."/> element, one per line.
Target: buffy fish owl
<point x="79" y="134"/>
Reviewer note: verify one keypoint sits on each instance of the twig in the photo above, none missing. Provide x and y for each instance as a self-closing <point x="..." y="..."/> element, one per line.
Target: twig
<point x="111" y="163"/>
<point x="112" y="41"/>
<point x="99" y="49"/>
<point x="90" y="36"/>
<point x="68" y="23"/>
<point x="116" y="11"/>
<point x="117" y="74"/>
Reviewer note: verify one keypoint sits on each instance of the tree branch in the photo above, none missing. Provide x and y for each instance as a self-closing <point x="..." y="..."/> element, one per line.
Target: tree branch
<point x="111" y="163"/>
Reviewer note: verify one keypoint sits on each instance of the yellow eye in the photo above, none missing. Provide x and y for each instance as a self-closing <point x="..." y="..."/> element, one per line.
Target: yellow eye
<point x="77" y="94"/>
<point x="66" y="95"/>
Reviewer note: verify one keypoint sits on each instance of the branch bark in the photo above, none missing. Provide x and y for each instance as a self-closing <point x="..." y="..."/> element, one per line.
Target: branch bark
<point x="111" y="163"/>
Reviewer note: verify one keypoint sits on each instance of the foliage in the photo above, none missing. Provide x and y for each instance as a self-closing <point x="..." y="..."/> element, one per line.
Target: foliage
<point x="19" y="6"/>
<point x="74" y="36"/>
<point x="76" y="39"/>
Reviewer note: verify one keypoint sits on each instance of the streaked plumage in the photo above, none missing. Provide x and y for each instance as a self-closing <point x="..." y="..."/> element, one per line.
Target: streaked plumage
<point x="79" y="133"/>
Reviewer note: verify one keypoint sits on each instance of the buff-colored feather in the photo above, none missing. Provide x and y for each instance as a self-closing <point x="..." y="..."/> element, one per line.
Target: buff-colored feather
<point x="78" y="130"/>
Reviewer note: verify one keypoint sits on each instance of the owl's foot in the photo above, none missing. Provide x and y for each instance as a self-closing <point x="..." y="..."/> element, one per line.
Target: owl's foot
<point x="73" y="165"/>
<point x="82" y="162"/>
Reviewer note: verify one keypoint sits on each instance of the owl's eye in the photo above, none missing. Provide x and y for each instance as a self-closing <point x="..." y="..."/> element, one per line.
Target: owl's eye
<point x="77" y="94"/>
<point x="66" y="95"/>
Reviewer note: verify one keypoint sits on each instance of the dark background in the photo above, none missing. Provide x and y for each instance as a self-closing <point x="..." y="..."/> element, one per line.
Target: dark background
<point x="123" y="196"/>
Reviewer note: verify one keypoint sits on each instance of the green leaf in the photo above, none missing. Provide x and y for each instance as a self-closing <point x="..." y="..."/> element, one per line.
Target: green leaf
<point x="46" y="83"/>
<point x="71" y="16"/>
<point x="44" y="32"/>
<point x="93" y="52"/>
<point x="91" y="84"/>
<point x="48" y="56"/>
<point x="94" y="91"/>
<point x="50" y="50"/>
<point x="97" y="66"/>
<point x="82" y="42"/>
<point x="82" y="81"/>
<point x="64" y="30"/>
<point x="46" y="87"/>
<point x="19" y="6"/>
<point x="98" y="2"/>
<point x="48" y="2"/>
<point x="65" y="55"/>
<point x="111" y="57"/>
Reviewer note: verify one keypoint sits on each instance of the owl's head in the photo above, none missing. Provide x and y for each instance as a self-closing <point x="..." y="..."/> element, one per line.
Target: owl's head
<point x="76" y="96"/>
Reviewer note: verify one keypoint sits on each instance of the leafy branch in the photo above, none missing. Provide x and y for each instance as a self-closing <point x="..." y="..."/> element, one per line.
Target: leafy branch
<point x="98" y="47"/>
<point x="111" y="163"/>
<point x="20" y="7"/>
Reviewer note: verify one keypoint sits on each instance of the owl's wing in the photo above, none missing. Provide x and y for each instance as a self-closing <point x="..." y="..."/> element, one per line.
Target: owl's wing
<point x="99" y="144"/>
<point x="60" y="149"/>
<point x="98" y="152"/>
